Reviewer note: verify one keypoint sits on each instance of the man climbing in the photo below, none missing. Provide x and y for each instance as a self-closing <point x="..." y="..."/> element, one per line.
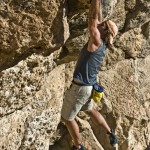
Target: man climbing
<point x="78" y="98"/>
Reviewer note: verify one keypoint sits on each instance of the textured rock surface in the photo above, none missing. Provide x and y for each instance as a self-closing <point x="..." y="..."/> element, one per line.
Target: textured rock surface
<point x="126" y="88"/>
<point x="29" y="26"/>
<point x="32" y="84"/>
<point x="31" y="103"/>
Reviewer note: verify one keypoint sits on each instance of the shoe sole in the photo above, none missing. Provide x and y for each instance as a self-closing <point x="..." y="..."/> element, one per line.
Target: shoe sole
<point x="116" y="146"/>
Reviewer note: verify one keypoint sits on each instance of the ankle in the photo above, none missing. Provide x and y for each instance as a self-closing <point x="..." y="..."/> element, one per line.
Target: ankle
<point x="78" y="146"/>
<point x="77" y="143"/>
<point x="109" y="131"/>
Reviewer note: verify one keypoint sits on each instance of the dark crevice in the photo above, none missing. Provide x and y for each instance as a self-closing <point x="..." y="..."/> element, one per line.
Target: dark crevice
<point x="20" y="57"/>
<point x="148" y="147"/>
<point x="57" y="26"/>
<point x="63" y="53"/>
<point x="128" y="56"/>
<point x="11" y="112"/>
<point x="67" y="58"/>
<point x="130" y="15"/>
<point x="79" y="27"/>
<point x="145" y="29"/>
<point x="64" y="140"/>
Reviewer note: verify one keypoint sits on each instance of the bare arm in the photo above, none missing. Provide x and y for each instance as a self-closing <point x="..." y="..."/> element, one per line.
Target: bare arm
<point x="100" y="17"/>
<point x="95" y="17"/>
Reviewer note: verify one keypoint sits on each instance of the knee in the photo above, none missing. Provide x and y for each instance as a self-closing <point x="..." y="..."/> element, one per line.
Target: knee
<point x="92" y="112"/>
<point x="89" y="112"/>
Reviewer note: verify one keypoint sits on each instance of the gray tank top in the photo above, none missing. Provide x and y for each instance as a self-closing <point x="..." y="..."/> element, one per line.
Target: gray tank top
<point x="89" y="64"/>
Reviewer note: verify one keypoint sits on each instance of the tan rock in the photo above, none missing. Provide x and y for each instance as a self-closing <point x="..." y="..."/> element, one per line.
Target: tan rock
<point x="40" y="60"/>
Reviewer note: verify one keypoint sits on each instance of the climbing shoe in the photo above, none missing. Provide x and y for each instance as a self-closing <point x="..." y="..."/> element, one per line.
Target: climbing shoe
<point x="81" y="148"/>
<point x="113" y="139"/>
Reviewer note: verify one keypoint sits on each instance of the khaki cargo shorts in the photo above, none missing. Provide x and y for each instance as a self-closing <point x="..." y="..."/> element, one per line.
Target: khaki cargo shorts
<point x="77" y="98"/>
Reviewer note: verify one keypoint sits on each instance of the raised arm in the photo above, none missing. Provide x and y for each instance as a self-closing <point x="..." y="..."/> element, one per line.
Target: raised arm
<point x="95" y="18"/>
<point x="100" y="17"/>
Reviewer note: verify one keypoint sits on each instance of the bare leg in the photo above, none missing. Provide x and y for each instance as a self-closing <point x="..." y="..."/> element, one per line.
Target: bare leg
<point x="73" y="129"/>
<point x="98" y="119"/>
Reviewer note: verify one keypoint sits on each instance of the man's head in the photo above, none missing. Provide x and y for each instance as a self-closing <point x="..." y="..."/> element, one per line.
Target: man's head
<point x="108" y="30"/>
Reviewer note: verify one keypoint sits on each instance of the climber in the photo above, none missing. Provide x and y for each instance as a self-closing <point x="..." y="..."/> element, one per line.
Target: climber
<point x="78" y="97"/>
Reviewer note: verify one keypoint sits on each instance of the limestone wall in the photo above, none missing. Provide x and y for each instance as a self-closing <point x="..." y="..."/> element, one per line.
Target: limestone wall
<point x="40" y="42"/>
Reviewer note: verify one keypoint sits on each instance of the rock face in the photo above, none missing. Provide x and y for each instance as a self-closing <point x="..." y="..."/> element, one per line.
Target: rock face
<point x="126" y="90"/>
<point x="40" y="42"/>
<point x="30" y="26"/>
<point x="31" y="103"/>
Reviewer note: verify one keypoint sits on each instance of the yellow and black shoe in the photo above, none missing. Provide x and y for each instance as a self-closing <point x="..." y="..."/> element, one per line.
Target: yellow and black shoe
<point x="113" y="139"/>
